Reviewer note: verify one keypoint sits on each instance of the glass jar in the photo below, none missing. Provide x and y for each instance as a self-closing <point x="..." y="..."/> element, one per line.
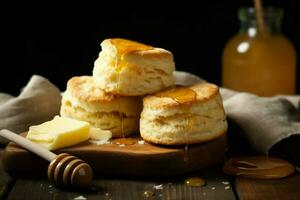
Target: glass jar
<point x="263" y="63"/>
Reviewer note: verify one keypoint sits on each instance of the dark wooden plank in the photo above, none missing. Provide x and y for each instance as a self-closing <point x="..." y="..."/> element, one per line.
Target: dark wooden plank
<point x="286" y="188"/>
<point x="108" y="188"/>
<point x="6" y="182"/>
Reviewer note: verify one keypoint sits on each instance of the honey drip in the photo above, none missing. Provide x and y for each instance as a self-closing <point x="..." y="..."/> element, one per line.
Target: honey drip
<point x="190" y="125"/>
<point x="258" y="167"/>
<point x="195" y="182"/>
<point x="180" y="94"/>
<point x="186" y="153"/>
<point x="122" y="47"/>
<point x="119" y="100"/>
<point x="124" y="141"/>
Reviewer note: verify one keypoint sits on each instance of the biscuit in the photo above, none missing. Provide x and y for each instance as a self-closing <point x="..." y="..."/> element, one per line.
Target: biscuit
<point x="129" y="68"/>
<point x="83" y="101"/>
<point x="179" y="116"/>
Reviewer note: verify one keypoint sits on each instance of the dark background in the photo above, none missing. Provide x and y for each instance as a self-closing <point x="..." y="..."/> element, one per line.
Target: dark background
<point x="60" y="41"/>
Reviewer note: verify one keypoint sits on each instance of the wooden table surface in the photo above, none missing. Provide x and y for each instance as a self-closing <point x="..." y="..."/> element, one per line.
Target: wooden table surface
<point x="131" y="189"/>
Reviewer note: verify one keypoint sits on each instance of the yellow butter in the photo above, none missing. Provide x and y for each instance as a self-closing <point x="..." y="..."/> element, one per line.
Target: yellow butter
<point x="59" y="132"/>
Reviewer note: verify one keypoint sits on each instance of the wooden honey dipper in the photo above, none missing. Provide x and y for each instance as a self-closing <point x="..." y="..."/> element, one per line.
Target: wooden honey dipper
<point x="64" y="169"/>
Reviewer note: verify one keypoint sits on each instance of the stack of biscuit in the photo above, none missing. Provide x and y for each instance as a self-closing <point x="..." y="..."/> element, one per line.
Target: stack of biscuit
<point x="111" y="99"/>
<point x="132" y="89"/>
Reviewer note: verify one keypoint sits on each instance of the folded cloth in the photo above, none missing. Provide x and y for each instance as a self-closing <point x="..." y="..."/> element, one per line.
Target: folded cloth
<point x="38" y="102"/>
<point x="264" y="121"/>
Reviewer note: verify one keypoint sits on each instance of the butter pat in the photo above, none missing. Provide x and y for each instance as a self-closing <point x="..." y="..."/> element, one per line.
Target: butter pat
<point x="59" y="132"/>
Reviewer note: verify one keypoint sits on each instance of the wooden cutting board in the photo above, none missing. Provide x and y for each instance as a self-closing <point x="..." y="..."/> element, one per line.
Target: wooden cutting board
<point x="139" y="160"/>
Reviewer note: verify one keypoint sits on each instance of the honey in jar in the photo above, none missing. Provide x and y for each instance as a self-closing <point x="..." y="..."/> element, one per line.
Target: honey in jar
<point x="260" y="62"/>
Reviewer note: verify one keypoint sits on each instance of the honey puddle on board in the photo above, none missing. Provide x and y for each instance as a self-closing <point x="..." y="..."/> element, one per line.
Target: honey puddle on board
<point x="148" y="194"/>
<point x="258" y="167"/>
<point x="124" y="141"/>
<point x="195" y="182"/>
<point x="182" y="95"/>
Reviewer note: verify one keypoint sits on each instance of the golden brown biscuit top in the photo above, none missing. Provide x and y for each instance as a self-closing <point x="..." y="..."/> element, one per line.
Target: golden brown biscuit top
<point x="82" y="88"/>
<point x="127" y="47"/>
<point x="122" y="53"/>
<point x="173" y="97"/>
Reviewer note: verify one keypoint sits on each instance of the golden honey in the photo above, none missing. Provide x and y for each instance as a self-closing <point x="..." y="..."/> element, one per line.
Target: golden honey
<point x="264" y="65"/>
<point x="260" y="62"/>
<point x="258" y="167"/>
<point x="180" y="95"/>
<point x="195" y="182"/>
<point x="123" y="47"/>
<point x="124" y="141"/>
<point x="148" y="194"/>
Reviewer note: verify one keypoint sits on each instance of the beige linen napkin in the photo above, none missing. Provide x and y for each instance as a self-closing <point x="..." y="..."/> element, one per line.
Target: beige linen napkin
<point x="264" y="122"/>
<point x="39" y="101"/>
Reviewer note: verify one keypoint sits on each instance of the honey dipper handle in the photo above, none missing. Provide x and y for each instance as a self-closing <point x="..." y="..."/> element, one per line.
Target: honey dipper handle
<point x="27" y="144"/>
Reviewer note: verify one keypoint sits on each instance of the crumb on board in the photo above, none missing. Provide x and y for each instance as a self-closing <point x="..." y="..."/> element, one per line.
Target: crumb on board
<point x="99" y="142"/>
<point x="141" y="142"/>
<point x="227" y="187"/>
<point x="158" y="187"/>
<point x="225" y="182"/>
<point x="80" y="198"/>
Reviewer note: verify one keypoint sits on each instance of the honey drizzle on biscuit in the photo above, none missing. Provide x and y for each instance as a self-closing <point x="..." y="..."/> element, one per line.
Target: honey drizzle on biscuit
<point x="182" y="95"/>
<point x="118" y="59"/>
<point x="122" y="47"/>
<point x="179" y="94"/>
